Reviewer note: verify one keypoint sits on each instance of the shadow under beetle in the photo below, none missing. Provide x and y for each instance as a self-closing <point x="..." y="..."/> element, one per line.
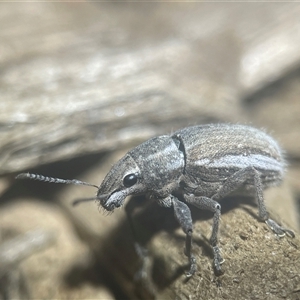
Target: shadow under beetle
<point x="204" y="164"/>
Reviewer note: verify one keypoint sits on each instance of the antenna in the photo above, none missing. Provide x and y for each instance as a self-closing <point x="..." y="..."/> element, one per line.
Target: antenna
<point x="99" y="198"/>
<point x="78" y="201"/>
<point x="53" y="179"/>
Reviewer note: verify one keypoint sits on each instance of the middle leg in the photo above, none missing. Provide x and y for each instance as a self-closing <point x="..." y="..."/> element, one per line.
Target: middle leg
<point x="183" y="215"/>
<point x="206" y="203"/>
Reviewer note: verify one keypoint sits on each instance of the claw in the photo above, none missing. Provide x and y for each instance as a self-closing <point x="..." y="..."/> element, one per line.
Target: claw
<point x="218" y="260"/>
<point x="290" y="233"/>
<point x="193" y="267"/>
<point x="279" y="230"/>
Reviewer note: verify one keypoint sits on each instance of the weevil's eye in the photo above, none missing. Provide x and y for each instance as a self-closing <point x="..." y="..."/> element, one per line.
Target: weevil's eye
<point x="129" y="180"/>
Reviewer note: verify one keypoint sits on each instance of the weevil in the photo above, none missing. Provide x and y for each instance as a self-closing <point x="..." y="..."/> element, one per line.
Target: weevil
<point x="203" y="164"/>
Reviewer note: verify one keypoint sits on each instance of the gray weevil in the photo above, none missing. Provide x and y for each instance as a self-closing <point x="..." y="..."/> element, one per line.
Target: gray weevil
<point x="204" y="164"/>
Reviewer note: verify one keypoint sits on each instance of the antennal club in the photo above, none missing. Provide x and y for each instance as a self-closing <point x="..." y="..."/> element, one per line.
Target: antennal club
<point x="53" y="179"/>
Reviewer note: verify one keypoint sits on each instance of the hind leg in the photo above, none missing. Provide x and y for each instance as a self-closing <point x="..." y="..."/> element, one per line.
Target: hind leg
<point x="236" y="180"/>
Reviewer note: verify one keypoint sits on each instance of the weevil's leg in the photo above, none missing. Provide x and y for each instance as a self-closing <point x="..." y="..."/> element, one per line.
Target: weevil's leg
<point x="206" y="203"/>
<point x="240" y="177"/>
<point x="183" y="215"/>
<point x="262" y="211"/>
<point x="139" y="249"/>
<point x="235" y="181"/>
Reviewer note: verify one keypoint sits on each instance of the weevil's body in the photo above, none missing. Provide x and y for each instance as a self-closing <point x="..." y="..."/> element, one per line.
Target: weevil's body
<point x="214" y="153"/>
<point x="204" y="163"/>
<point x="197" y="160"/>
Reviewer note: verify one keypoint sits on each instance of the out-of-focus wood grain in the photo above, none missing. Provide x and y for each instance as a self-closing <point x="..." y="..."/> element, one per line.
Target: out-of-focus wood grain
<point x="79" y="78"/>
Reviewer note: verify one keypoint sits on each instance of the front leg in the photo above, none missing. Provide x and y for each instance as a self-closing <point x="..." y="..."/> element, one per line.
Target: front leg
<point x="183" y="216"/>
<point x="140" y="250"/>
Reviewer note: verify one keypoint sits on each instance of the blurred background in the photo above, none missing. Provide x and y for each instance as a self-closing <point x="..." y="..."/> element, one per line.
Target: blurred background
<point x="81" y="83"/>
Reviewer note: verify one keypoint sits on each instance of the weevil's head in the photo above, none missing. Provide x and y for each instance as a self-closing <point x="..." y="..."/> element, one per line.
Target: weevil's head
<point x="153" y="167"/>
<point x="122" y="180"/>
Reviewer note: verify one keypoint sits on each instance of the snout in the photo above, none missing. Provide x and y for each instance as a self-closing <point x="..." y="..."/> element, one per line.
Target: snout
<point x="111" y="201"/>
